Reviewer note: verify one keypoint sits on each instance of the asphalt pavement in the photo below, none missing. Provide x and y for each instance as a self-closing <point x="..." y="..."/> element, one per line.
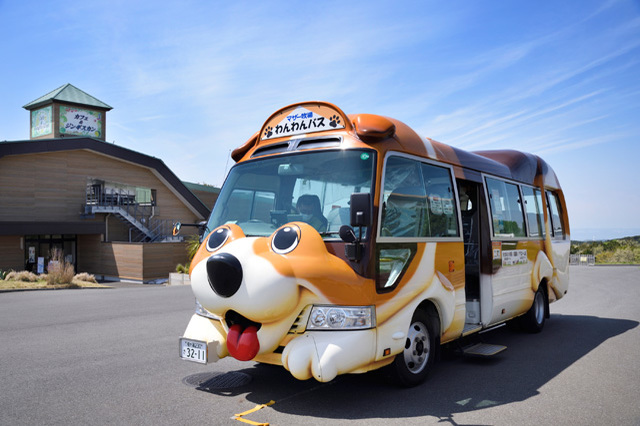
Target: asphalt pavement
<point x="110" y="356"/>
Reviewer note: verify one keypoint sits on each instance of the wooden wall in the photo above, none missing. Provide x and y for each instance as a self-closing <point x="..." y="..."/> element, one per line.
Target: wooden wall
<point x="51" y="186"/>
<point x="160" y="259"/>
<point x="208" y="198"/>
<point x="11" y="255"/>
<point x="116" y="229"/>
<point x="89" y="258"/>
<point x="134" y="261"/>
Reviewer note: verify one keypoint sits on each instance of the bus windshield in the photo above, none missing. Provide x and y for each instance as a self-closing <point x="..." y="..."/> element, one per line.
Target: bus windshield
<point x="312" y="187"/>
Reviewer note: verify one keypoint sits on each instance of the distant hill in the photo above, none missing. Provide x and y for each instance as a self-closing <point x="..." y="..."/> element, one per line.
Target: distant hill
<point x="591" y="234"/>
<point x="617" y="251"/>
<point x="636" y="239"/>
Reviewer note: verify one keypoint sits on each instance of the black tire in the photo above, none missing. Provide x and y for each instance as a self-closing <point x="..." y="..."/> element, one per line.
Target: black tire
<point x="533" y="320"/>
<point x="412" y="366"/>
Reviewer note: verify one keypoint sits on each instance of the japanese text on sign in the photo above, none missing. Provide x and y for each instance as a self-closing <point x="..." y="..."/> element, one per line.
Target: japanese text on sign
<point x="301" y="121"/>
<point x="80" y="122"/>
<point x="514" y="257"/>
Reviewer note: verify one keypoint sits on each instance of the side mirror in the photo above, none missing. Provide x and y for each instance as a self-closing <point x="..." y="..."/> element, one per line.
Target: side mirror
<point x="353" y="248"/>
<point x="202" y="230"/>
<point x="360" y="212"/>
<point x="360" y="209"/>
<point x="347" y="235"/>
<point x="202" y="226"/>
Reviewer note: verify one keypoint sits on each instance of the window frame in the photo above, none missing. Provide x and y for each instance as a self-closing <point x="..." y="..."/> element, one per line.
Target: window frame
<point x="549" y="192"/>
<point x="542" y="228"/>
<point x="495" y="237"/>
<point x="390" y="239"/>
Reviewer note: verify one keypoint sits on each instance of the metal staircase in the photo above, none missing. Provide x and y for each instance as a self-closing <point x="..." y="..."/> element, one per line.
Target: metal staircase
<point x="143" y="227"/>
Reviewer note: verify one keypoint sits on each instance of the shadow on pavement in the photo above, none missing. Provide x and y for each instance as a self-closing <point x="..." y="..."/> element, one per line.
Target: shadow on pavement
<point x="456" y="385"/>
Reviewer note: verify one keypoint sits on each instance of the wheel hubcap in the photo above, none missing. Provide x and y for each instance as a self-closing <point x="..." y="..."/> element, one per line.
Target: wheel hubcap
<point x="417" y="348"/>
<point x="539" y="308"/>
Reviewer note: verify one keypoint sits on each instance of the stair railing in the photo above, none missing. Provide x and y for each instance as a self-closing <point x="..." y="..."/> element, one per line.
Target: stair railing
<point x="158" y="229"/>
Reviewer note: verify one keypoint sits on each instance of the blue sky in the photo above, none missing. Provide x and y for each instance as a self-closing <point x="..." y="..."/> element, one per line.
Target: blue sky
<point x="191" y="80"/>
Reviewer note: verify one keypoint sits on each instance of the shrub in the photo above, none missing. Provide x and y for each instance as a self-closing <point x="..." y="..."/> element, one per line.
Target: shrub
<point x="86" y="277"/>
<point x="182" y="269"/>
<point x="25" y="276"/>
<point x="3" y="274"/>
<point x="60" y="271"/>
<point x="193" y="244"/>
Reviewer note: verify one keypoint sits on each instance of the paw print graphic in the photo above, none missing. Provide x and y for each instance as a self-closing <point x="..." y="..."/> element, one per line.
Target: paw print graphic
<point x="268" y="131"/>
<point x="334" y="121"/>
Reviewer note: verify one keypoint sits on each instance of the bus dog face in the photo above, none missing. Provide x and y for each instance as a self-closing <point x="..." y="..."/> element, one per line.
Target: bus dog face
<point x="259" y="285"/>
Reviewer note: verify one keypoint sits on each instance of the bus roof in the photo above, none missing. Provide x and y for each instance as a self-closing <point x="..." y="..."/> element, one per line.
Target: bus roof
<point x="325" y="126"/>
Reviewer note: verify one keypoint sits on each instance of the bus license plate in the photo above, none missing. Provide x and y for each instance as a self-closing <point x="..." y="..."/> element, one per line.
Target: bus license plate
<point x="193" y="350"/>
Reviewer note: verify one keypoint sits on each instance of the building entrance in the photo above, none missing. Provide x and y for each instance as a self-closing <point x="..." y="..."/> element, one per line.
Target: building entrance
<point x="38" y="249"/>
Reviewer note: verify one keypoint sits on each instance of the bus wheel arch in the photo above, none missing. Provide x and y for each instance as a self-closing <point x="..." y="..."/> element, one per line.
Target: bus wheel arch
<point x="542" y="271"/>
<point x="432" y="308"/>
<point x="412" y="366"/>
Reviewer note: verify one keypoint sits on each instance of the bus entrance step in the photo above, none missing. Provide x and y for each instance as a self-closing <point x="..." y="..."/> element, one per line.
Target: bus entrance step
<point x="483" y="349"/>
<point x="471" y="328"/>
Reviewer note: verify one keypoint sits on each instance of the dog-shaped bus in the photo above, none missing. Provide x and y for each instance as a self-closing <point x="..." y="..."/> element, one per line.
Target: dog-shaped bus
<point x="346" y="243"/>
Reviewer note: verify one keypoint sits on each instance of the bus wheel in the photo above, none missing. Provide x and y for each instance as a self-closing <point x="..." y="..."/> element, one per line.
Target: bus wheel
<point x="533" y="320"/>
<point x="414" y="363"/>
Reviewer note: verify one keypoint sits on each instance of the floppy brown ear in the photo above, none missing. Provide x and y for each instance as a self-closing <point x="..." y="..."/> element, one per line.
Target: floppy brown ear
<point x="372" y="128"/>
<point x="238" y="153"/>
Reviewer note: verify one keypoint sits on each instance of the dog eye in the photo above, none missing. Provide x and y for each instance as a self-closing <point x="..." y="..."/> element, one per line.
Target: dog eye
<point x="217" y="239"/>
<point x="285" y="240"/>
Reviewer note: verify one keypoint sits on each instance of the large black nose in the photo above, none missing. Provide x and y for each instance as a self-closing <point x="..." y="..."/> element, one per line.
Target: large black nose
<point x="225" y="274"/>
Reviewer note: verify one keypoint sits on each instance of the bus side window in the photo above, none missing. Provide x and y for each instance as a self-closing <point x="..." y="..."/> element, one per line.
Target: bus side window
<point x="418" y="200"/>
<point x="554" y="209"/>
<point x="404" y="198"/>
<point x="506" y="209"/>
<point x="534" y="211"/>
<point x="540" y="212"/>
<point x="441" y="219"/>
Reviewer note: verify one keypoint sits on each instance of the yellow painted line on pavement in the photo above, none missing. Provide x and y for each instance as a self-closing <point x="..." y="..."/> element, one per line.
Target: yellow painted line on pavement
<point x="240" y="416"/>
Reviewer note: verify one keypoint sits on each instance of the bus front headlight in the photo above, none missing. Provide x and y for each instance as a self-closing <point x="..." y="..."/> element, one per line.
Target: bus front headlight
<point x="341" y="318"/>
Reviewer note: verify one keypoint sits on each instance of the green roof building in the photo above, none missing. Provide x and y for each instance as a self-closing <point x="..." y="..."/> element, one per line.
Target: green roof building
<point x="68" y="112"/>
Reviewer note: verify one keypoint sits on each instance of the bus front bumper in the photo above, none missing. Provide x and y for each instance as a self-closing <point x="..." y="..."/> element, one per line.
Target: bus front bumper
<point x="204" y="340"/>
<point x="325" y="354"/>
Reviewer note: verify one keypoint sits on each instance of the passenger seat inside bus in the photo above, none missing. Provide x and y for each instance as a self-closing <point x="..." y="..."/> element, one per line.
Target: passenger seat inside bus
<point x="337" y="217"/>
<point x="403" y="211"/>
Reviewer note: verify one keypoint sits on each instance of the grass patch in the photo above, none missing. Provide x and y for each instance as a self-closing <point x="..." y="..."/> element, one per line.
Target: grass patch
<point x="60" y="271"/>
<point x="42" y="284"/>
<point x="60" y="276"/>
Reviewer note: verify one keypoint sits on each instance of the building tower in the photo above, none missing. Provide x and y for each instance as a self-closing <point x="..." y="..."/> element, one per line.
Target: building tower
<point x="68" y="111"/>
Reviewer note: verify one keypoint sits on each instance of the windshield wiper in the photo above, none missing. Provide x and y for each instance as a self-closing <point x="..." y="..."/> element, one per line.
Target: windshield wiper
<point x="330" y="233"/>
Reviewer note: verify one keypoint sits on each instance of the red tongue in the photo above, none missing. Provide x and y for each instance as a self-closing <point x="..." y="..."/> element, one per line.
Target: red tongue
<point x="243" y="345"/>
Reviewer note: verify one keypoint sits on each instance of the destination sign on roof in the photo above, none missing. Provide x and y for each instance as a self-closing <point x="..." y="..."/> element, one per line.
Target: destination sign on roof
<point x="302" y="120"/>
